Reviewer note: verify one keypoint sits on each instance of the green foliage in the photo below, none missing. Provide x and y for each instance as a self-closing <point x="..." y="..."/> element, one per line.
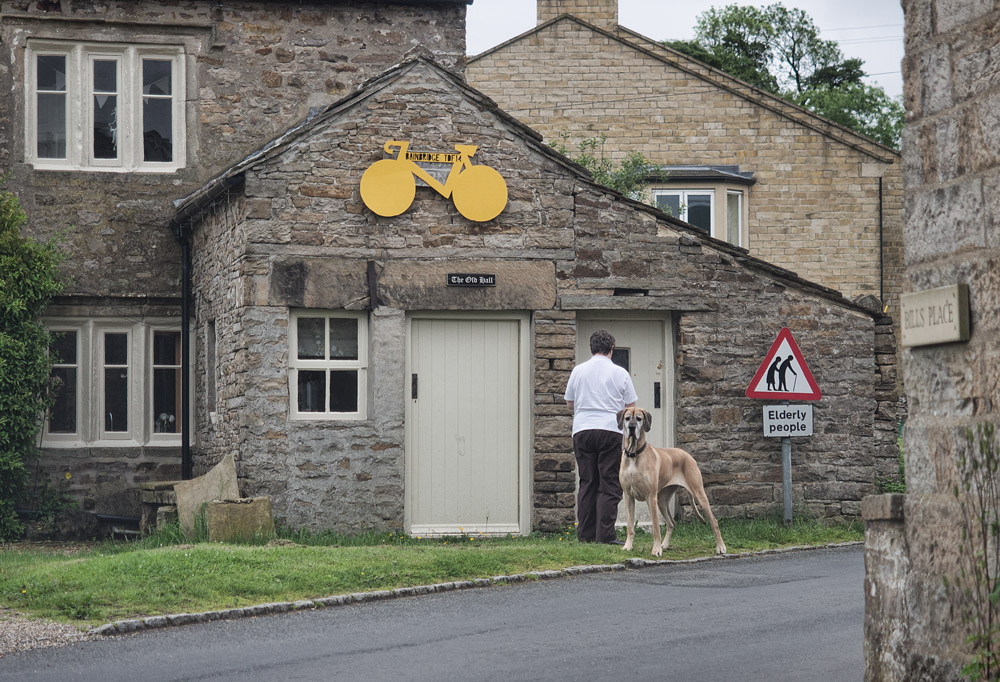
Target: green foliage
<point x="29" y="279"/>
<point x="629" y="177"/>
<point x="975" y="591"/>
<point x="865" y="109"/>
<point x="779" y="50"/>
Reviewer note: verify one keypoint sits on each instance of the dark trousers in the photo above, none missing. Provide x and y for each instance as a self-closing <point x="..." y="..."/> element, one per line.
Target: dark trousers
<point x="598" y="455"/>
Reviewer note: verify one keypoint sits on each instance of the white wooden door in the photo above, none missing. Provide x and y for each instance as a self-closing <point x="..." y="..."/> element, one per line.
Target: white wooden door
<point x="642" y="346"/>
<point x="465" y="425"/>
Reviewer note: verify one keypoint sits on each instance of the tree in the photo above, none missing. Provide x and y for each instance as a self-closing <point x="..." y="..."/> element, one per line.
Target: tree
<point x="29" y="278"/>
<point x="779" y="50"/>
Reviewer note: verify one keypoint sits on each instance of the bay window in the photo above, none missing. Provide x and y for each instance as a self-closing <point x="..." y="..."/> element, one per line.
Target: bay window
<point x="115" y="384"/>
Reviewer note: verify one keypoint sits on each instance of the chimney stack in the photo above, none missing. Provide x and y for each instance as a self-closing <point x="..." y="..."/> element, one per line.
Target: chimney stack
<point x="602" y="13"/>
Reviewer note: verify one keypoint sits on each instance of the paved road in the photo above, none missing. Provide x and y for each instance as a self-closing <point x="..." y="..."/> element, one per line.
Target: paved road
<point x="795" y="617"/>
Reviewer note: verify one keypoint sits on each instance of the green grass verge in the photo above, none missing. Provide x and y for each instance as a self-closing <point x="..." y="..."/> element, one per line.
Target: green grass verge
<point x="156" y="575"/>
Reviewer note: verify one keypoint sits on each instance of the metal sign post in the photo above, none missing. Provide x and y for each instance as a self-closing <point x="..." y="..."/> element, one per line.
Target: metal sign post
<point x="783" y="364"/>
<point x="786" y="478"/>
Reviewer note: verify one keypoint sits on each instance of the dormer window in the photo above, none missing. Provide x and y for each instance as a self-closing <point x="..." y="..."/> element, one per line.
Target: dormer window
<point x="713" y="198"/>
<point x="104" y="107"/>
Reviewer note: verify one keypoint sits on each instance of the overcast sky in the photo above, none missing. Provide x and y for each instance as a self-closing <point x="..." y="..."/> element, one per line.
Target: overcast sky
<point x="871" y="30"/>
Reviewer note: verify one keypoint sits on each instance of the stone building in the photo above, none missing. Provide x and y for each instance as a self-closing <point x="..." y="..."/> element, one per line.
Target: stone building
<point x="381" y="355"/>
<point x="361" y="387"/>
<point x="113" y="110"/>
<point x="745" y="165"/>
<point x="951" y="165"/>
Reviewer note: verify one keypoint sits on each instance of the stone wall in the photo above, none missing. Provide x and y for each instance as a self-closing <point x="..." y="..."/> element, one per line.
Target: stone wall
<point x="563" y="245"/>
<point x="253" y="68"/>
<point x="815" y="207"/>
<point x="951" y="167"/>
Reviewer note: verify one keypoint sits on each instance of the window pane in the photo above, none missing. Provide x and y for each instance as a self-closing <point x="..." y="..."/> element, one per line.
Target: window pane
<point x="734" y="215"/>
<point x="166" y="400"/>
<point x="116" y="399"/>
<point x="344" y="391"/>
<point x="312" y="338"/>
<point x="157" y="130"/>
<point x="50" y="72"/>
<point x="105" y="127"/>
<point x="699" y="211"/>
<point x="51" y="126"/>
<point x="166" y="348"/>
<point x="63" y="348"/>
<point x="621" y="356"/>
<point x="156" y="77"/>
<point x="343" y="338"/>
<point x="116" y="349"/>
<point x="669" y="204"/>
<point x="62" y="416"/>
<point x="312" y="390"/>
<point x="106" y="76"/>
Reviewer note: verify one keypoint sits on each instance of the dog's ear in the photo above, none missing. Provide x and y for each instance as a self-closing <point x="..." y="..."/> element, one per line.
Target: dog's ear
<point x="647" y="421"/>
<point x="621" y="419"/>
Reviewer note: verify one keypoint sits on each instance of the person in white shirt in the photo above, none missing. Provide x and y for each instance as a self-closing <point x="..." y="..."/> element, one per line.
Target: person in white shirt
<point x="597" y="390"/>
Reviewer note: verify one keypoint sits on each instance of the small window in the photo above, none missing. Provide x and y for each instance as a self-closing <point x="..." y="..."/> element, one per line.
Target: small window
<point x="734" y="217"/>
<point x="328" y="365"/>
<point x="622" y="357"/>
<point x="65" y="354"/>
<point x="166" y="414"/>
<point x="115" y="384"/>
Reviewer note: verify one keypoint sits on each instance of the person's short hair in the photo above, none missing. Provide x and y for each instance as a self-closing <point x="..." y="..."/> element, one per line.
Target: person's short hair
<point x="601" y="342"/>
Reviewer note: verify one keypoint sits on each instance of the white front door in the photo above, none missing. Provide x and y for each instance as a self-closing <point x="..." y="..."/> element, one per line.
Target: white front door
<point x="643" y="346"/>
<point x="466" y="425"/>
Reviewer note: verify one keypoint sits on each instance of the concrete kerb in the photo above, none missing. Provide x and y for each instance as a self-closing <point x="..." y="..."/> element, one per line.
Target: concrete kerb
<point x="124" y="627"/>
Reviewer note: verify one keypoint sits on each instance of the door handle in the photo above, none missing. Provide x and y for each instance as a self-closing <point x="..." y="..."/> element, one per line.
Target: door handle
<point x="413" y="386"/>
<point x="656" y="395"/>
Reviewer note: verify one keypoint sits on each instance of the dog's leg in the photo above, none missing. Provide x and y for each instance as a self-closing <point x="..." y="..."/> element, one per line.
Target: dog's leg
<point x="657" y="544"/>
<point x="702" y="499"/>
<point x="629" y="522"/>
<point x="667" y="496"/>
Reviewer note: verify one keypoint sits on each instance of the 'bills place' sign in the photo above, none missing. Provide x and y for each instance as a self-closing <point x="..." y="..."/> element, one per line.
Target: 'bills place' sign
<point x="470" y="280"/>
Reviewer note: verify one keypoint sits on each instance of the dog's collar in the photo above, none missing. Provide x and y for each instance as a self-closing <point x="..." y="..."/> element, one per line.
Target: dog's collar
<point x="637" y="452"/>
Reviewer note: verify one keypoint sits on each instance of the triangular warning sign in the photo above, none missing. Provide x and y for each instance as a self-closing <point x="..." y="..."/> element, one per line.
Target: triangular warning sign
<point x="784" y="374"/>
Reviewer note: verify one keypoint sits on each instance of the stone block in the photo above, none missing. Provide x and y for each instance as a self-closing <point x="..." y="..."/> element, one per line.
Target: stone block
<point x="218" y="484"/>
<point x="241" y="519"/>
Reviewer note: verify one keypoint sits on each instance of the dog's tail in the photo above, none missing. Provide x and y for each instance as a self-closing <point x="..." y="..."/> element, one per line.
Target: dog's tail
<point x="694" y="505"/>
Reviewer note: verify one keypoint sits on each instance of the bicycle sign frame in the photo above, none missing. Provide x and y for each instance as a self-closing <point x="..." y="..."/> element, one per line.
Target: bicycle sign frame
<point x="389" y="186"/>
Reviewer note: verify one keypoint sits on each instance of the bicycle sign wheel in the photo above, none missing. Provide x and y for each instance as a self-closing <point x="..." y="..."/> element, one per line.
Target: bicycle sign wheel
<point x="480" y="193"/>
<point x="388" y="188"/>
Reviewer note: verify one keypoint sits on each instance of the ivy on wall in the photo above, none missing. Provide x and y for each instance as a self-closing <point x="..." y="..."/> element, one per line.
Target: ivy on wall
<point x="29" y="278"/>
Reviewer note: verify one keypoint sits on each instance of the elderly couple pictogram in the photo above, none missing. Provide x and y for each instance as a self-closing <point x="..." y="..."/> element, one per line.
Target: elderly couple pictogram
<point x="780" y="367"/>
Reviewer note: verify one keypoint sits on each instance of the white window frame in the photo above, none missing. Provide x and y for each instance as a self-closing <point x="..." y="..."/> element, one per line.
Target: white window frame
<point x="295" y="365"/>
<point x="149" y="416"/>
<point x="683" y="194"/>
<point x="81" y="385"/>
<point x="739" y="216"/>
<point x="79" y="110"/>
<point x="91" y="335"/>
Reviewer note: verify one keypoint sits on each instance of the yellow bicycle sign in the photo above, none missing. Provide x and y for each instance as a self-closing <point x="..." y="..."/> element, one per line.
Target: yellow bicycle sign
<point x="389" y="186"/>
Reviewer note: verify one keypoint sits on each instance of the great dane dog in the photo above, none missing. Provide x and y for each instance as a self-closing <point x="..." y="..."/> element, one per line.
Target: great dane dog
<point x="653" y="475"/>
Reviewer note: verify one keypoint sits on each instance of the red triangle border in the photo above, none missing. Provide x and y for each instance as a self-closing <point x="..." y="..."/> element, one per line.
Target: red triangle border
<point x="813" y="394"/>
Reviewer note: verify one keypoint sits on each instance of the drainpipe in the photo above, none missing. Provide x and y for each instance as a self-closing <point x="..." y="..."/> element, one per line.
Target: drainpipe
<point x="187" y="468"/>
<point x="881" y="247"/>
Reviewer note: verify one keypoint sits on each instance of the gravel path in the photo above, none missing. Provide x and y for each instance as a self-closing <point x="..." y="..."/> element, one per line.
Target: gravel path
<point x="18" y="633"/>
